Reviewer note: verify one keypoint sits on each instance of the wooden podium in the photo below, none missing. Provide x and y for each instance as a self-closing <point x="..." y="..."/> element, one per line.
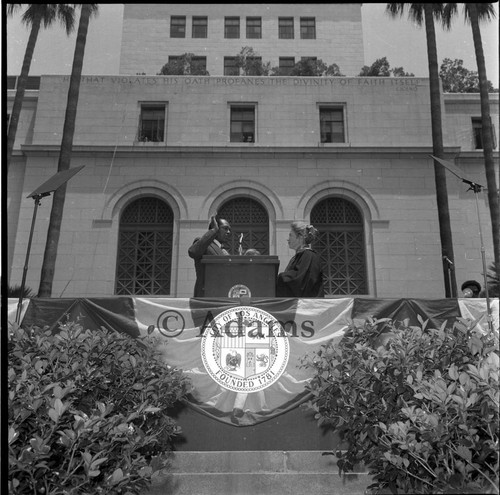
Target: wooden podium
<point x="238" y="276"/>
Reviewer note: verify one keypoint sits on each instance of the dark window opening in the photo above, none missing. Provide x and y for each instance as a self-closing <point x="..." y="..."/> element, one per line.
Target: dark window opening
<point x="178" y="26"/>
<point x="152" y="124"/>
<point x="242" y="125"/>
<point x="200" y="27"/>
<point x="332" y="125"/>
<point x="285" y="28"/>
<point x="145" y="241"/>
<point x="254" y="27"/>
<point x="341" y="246"/>
<point x="231" y="27"/>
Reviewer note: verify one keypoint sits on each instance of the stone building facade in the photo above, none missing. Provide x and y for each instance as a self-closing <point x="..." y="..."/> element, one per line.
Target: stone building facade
<point x="163" y="153"/>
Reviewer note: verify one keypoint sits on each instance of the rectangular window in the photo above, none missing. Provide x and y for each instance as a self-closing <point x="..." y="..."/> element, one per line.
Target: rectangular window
<point x="230" y="68"/>
<point x="152" y="123"/>
<point x="200" y="27"/>
<point x="231" y="27"/>
<point x="477" y="130"/>
<point x="242" y="124"/>
<point x="331" y="123"/>
<point x="33" y="82"/>
<point x="254" y="27"/>
<point x="308" y="28"/>
<point x="286" y="65"/>
<point x="285" y="28"/>
<point x="178" y="26"/>
<point x="199" y="65"/>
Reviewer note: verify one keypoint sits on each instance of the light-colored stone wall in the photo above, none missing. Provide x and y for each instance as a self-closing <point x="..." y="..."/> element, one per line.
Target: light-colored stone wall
<point x="379" y="111"/>
<point x="384" y="168"/>
<point x="146" y="41"/>
<point x="459" y="110"/>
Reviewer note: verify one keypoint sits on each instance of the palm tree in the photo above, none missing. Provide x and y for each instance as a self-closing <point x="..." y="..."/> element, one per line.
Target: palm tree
<point x="34" y="16"/>
<point x="474" y="13"/>
<point x="425" y="13"/>
<point x="56" y="213"/>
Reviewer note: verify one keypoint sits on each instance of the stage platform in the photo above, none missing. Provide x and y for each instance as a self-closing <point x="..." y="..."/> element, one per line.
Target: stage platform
<point x="235" y="404"/>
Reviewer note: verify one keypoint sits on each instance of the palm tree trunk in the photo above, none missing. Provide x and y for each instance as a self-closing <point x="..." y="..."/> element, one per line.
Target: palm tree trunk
<point x="437" y="148"/>
<point x="487" y="134"/>
<point x="21" y="86"/>
<point x="56" y="213"/>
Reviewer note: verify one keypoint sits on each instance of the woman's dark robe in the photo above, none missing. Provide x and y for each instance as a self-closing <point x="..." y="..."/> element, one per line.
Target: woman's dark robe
<point x="302" y="277"/>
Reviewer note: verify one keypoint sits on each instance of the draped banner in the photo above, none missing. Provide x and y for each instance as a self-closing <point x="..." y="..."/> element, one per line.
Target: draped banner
<point x="243" y="356"/>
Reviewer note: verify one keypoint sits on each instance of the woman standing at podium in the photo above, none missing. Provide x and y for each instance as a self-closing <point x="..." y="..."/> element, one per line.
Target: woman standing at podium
<point x="303" y="277"/>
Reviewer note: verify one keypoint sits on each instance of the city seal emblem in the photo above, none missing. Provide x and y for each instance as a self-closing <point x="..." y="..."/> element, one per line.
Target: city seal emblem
<point x="245" y="349"/>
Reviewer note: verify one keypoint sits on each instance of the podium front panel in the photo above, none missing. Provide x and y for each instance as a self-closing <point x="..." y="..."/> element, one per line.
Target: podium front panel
<point x="236" y="276"/>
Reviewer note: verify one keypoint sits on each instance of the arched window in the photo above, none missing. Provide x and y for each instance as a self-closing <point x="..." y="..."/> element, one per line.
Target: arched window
<point x="145" y="248"/>
<point x="247" y="217"/>
<point x="341" y="246"/>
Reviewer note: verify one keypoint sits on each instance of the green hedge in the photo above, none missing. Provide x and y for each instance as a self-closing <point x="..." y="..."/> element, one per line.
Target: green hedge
<point x="418" y="406"/>
<point x="87" y="411"/>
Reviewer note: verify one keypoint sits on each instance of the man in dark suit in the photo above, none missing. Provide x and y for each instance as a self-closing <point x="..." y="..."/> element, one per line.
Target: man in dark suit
<point x="210" y="243"/>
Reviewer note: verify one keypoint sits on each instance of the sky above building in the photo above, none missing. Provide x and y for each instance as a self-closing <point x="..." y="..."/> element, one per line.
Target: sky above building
<point x="398" y="39"/>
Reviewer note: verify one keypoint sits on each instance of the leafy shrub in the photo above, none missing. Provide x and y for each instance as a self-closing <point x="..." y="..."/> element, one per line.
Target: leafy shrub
<point x="87" y="411"/>
<point x="419" y="406"/>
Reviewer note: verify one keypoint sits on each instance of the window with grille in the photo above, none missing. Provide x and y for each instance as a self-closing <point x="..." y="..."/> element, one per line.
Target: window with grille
<point x="307" y="28"/>
<point x="231" y="27"/>
<point x="230" y="68"/>
<point x="199" y="64"/>
<point x="250" y="218"/>
<point x="331" y="121"/>
<point x="285" y="28"/>
<point x="178" y="26"/>
<point x="477" y="130"/>
<point x="254" y="27"/>
<point x="152" y="123"/>
<point x="200" y="27"/>
<point x="145" y="248"/>
<point x="242" y="124"/>
<point x="341" y="246"/>
<point x="286" y="65"/>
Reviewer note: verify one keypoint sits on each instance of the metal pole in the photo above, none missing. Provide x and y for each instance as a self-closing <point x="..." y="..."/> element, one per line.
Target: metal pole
<point x="489" y="318"/>
<point x="25" y="269"/>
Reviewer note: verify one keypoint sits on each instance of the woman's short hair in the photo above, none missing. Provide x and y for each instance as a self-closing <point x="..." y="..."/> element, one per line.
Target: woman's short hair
<point x="307" y="231"/>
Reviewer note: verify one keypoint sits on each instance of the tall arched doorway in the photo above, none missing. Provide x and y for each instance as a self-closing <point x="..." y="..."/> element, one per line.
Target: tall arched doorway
<point x="250" y="218"/>
<point x="341" y="245"/>
<point x="144" y="258"/>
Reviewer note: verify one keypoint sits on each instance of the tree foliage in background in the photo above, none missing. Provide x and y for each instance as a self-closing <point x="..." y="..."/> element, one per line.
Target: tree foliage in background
<point x="249" y="63"/>
<point x="185" y="65"/>
<point x="381" y="68"/>
<point x="34" y="16"/>
<point x="88" y="411"/>
<point x="457" y="79"/>
<point x="315" y="68"/>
